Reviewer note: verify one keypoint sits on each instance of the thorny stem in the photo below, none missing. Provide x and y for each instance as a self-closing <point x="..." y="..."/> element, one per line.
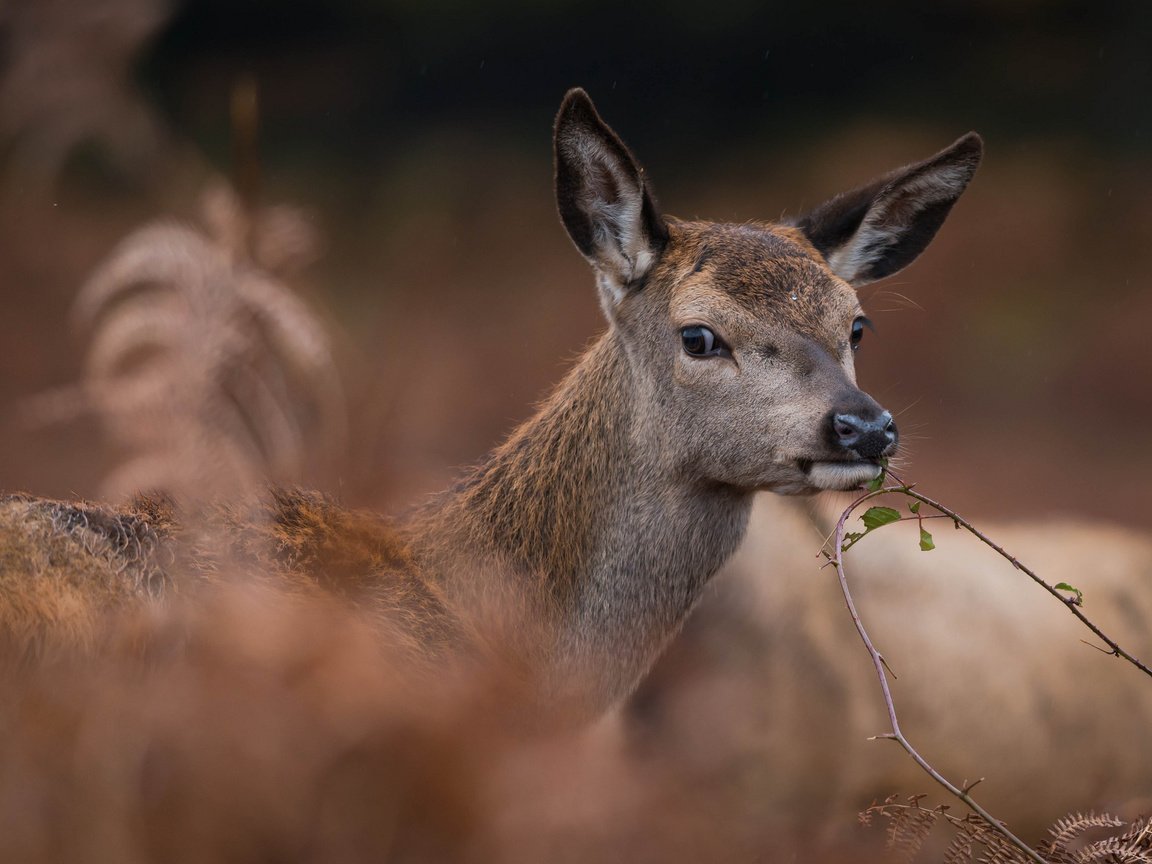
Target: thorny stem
<point x="878" y="662"/>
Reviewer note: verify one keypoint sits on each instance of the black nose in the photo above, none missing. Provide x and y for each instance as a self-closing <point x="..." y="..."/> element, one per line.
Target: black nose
<point x="868" y="437"/>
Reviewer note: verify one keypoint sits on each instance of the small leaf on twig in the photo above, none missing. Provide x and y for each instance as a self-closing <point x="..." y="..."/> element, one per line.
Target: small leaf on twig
<point x="926" y="544"/>
<point x="1064" y="586"/>
<point x="914" y="507"/>
<point x="875" y="517"/>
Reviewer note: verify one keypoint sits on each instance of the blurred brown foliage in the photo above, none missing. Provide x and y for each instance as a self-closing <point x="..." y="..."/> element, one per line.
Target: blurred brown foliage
<point x="248" y="726"/>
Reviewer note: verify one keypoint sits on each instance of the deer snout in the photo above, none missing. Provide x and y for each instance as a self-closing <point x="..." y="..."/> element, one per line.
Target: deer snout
<point x="869" y="433"/>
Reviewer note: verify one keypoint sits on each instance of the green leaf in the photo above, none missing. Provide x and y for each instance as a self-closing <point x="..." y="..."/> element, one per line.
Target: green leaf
<point x="875" y="517"/>
<point x="1064" y="586"/>
<point x="914" y="507"/>
<point x="926" y="544"/>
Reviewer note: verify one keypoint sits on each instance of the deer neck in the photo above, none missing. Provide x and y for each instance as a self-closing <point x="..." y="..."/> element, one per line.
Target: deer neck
<point x="582" y="509"/>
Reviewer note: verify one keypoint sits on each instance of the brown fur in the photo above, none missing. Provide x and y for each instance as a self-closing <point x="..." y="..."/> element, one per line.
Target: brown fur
<point x="579" y="546"/>
<point x="63" y="565"/>
<point x="306" y="539"/>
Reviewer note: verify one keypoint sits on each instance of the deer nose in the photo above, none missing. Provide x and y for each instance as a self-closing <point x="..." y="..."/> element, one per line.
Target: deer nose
<point x="868" y="438"/>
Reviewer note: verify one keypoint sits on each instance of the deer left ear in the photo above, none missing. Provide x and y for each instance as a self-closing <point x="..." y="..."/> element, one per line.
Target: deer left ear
<point x="604" y="199"/>
<point x="878" y="229"/>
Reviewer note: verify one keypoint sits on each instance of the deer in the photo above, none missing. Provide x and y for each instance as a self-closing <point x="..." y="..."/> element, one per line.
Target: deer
<point x="725" y="370"/>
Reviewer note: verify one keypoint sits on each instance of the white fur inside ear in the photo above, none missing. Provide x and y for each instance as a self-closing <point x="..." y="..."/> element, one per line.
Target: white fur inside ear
<point x="612" y="196"/>
<point x="890" y="217"/>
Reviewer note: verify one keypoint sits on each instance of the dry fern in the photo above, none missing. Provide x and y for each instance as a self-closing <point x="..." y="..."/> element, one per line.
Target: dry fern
<point x="959" y="851"/>
<point x="1067" y="830"/>
<point x="1067" y="844"/>
<point x="202" y="366"/>
<point x="909" y="824"/>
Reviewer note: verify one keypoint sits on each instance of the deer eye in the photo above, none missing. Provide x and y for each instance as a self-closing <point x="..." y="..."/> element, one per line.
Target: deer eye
<point x="702" y="342"/>
<point x="858" y="331"/>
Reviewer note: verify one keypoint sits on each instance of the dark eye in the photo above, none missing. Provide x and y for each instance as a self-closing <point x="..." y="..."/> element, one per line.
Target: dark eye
<point x="702" y="342"/>
<point x="858" y="331"/>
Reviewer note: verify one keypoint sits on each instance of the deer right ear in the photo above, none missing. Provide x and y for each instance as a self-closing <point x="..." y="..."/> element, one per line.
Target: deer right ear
<point x="880" y="228"/>
<point x="603" y="198"/>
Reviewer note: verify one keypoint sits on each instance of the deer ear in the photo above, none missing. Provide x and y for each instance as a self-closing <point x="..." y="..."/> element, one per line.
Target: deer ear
<point x="603" y="198"/>
<point x="878" y="229"/>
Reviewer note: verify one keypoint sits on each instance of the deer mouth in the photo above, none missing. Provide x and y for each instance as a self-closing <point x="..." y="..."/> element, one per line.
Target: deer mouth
<point x="840" y="476"/>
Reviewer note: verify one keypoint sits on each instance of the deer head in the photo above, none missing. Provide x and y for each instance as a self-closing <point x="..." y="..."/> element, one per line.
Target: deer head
<point x="740" y="338"/>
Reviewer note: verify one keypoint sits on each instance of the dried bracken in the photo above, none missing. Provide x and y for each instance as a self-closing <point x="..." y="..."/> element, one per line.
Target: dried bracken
<point x="1078" y="838"/>
<point x="251" y="727"/>
<point x="1124" y="843"/>
<point x="203" y="367"/>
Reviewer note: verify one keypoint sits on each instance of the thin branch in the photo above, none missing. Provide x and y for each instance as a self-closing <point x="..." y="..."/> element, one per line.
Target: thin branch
<point x="878" y="662"/>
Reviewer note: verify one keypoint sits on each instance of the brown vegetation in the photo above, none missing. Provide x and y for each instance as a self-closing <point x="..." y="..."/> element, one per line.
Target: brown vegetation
<point x="252" y="727"/>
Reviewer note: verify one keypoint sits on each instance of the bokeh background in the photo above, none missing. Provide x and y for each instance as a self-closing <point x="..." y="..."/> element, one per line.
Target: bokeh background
<point x="417" y="133"/>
